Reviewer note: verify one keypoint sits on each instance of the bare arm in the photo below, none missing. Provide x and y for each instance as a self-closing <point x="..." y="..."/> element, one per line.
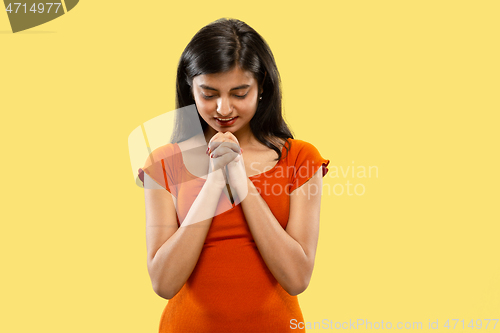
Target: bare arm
<point x="172" y="252"/>
<point x="289" y="254"/>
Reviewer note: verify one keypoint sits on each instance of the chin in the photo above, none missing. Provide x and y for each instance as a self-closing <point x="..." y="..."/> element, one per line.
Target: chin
<point x="224" y="130"/>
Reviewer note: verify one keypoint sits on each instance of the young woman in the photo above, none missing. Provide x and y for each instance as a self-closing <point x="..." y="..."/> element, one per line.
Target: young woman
<point x="232" y="227"/>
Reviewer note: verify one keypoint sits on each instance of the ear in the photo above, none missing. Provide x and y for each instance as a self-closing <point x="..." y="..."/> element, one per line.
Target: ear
<point x="189" y="83"/>
<point x="262" y="84"/>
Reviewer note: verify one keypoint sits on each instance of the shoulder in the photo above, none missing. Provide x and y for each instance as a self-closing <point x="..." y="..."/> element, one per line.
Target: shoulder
<point x="304" y="154"/>
<point x="168" y="154"/>
<point x="160" y="165"/>
<point x="164" y="151"/>
<point x="157" y="158"/>
<point x="301" y="147"/>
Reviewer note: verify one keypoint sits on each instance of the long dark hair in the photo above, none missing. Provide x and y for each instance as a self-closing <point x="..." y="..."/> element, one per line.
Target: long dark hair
<point x="217" y="48"/>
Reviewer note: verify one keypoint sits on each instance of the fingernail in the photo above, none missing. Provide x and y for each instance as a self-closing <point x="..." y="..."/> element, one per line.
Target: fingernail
<point x="212" y="155"/>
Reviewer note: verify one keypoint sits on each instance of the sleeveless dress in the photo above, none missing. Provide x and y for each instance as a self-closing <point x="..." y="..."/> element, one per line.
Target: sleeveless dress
<point x="231" y="289"/>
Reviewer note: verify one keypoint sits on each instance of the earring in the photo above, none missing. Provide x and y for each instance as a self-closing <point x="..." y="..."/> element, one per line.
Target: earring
<point x="260" y="98"/>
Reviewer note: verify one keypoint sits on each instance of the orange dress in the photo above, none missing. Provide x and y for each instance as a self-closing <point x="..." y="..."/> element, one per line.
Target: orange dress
<point x="231" y="289"/>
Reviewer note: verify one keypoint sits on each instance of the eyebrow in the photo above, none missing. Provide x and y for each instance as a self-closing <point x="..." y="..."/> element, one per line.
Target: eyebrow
<point x="243" y="86"/>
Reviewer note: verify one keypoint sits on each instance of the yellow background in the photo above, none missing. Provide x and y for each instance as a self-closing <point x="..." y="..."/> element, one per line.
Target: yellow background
<point x="409" y="87"/>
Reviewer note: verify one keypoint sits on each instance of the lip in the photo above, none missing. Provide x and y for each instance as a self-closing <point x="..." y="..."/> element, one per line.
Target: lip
<point x="225" y="123"/>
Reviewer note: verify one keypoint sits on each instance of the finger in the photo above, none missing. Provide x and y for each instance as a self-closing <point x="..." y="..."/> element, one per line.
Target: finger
<point x="214" y="145"/>
<point x="237" y="159"/>
<point x="217" y="135"/>
<point x="220" y="162"/>
<point x="225" y="147"/>
<point x="212" y="139"/>
<point x="223" y="138"/>
<point x="225" y="159"/>
<point x="231" y="145"/>
<point x="227" y="135"/>
<point x="231" y="136"/>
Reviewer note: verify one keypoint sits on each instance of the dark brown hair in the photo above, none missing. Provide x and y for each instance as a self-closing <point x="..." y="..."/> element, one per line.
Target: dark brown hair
<point x="217" y="48"/>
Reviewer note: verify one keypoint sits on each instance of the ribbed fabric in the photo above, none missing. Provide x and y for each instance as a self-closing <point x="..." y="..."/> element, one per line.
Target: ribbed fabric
<point x="231" y="289"/>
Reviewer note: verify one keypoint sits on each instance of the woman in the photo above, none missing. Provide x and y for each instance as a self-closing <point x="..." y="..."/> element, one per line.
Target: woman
<point x="231" y="241"/>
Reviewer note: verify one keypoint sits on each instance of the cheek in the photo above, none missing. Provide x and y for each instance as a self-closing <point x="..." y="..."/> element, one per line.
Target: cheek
<point x="249" y="106"/>
<point x="204" y="106"/>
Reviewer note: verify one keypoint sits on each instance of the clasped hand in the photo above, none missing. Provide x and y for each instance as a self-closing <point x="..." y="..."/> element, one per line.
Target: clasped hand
<point x="224" y="150"/>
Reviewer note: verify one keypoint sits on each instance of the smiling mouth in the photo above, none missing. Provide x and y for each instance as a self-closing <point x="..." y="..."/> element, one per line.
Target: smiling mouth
<point x="225" y="119"/>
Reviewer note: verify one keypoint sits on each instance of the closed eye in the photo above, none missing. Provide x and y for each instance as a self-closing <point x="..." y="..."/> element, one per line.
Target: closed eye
<point x="213" y="96"/>
<point x="241" y="96"/>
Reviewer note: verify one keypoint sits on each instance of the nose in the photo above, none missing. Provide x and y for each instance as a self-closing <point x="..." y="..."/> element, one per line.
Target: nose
<point x="224" y="107"/>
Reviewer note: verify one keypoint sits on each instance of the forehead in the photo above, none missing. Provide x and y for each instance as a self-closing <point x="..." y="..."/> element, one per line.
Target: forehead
<point x="226" y="80"/>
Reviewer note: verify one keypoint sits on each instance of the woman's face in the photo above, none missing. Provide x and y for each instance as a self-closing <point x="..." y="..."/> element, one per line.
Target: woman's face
<point x="233" y="94"/>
